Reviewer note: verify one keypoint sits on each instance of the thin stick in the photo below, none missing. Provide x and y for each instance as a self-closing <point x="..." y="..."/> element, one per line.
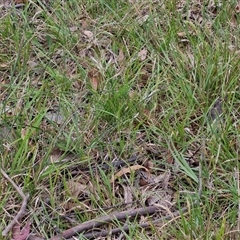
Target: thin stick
<point x="19" y="190"/>
<point x="105" y="219"/>
<point x="104" y="233"/>
<point x="22" y="209"/>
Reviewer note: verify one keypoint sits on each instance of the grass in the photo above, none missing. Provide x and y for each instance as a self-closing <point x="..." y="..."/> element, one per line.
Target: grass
<point x="83" y="63"/>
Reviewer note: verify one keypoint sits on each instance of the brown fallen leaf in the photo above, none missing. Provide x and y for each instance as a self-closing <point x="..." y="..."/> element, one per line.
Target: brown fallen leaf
<point x="84" y="24"/>
<point x="54" y="115"/>
<point x="148" y="164"/>
<point x="181" y="34"/>
<point x="143" y="19"/>
<point x="23" y="133"/>
<point x="58" y="155"/>
<point x="18" y="234"/>
<point x="124" y="171"/>
<point x="121" y="57"/>
<point x="88" y="34"/>
<point x="75" y="188"/>
<point x="95" y="78"/>
<point x="151" y="200"/>
<point x="162" y="177"/>
<point x="78" y="188"/>
<point x="4" y="66"/>
<point x="169" y="157"/>
<point x="16" y="2"/>
<point x="128" y="196"/>
<point x="145" y="178"/>
<point x="143" y="54"/>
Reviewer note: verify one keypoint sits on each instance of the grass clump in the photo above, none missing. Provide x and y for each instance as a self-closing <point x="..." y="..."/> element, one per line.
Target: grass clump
<point x="86" y="83"/>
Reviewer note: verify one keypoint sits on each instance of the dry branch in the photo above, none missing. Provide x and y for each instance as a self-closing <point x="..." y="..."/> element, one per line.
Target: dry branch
<point x="105" y="219"/>
<point x="22" y="209"/>
<point x="94" y="234"/>
<point x="125" y="228"/>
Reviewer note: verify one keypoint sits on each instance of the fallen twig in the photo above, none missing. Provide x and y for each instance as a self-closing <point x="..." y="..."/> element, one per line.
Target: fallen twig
<point x="104" y="233"/>
<point x="105" y="219"/>
<point x="22" y="209"/>
<point x="19" y="190"/>
<point x="125" y="228"/>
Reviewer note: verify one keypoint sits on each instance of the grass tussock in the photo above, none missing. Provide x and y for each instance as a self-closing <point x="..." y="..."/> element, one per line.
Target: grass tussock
<point x="84" y="84"/>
